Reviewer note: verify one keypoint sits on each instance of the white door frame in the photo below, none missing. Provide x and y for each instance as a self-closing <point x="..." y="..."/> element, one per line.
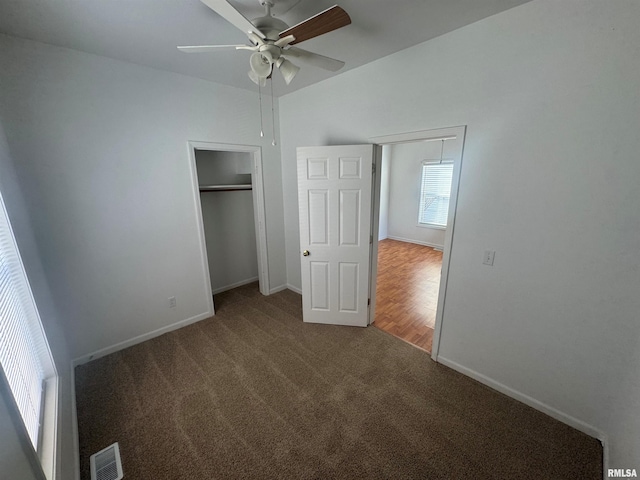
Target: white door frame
<point x="437" y="134"/>
<point x="259" y="215"/>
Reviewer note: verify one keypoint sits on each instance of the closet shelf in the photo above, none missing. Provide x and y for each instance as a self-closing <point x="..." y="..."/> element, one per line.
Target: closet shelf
<point x="224" y="188"/>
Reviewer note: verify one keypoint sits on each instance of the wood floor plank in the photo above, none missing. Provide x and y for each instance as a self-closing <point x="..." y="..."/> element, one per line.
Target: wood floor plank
<point x="407" y="291"/>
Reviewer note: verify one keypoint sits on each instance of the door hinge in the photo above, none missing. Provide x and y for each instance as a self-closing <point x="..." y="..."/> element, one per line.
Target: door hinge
<point x="373" y="168"/>
<point x="370" y="239"/>
<point x="368" y="302"/>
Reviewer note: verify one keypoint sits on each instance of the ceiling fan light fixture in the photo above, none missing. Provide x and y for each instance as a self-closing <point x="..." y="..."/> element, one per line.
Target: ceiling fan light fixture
<point x="288" y="69"/>
<point x="261" y="64"/>
<point x="260" y="81"/>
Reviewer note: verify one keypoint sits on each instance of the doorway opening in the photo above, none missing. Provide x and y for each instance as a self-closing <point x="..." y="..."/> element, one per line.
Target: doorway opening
<point x="416" y="188"/>
<point x="228" y="191"/>
<point x="408" y="284"/>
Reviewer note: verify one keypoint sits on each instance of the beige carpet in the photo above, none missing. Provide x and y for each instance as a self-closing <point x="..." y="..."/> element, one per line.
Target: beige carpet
<point x="255" y="393"/>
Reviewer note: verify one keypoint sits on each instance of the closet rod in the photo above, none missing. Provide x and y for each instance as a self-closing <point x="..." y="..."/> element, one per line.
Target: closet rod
<point x="224" y="188"/>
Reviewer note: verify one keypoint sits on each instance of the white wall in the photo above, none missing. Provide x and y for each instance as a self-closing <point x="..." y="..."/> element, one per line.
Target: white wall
<point x="101" y="153"/>
<point x="228" y="217"/>
<point x="10" y="460"/>
<point x="404" y="192"/>
<point x="385" y="180"/>
<point x="550" y="92"/>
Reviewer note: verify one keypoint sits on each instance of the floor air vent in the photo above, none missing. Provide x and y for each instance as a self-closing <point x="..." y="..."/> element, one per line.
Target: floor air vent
<point x="106" y="464"/>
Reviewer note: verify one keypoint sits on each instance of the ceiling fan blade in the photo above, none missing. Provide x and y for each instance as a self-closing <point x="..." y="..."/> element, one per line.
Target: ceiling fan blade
<point x="324" y="22"/>
<point x="211" y="48"/>
<point x="231" y="15"/>
<point x="314" y="59"/>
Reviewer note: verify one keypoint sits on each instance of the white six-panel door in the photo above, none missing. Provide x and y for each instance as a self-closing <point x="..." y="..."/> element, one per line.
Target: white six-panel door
<point x="334" y="193"/>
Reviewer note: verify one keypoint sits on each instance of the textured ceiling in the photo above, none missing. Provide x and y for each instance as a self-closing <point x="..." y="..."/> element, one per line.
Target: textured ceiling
<point x="146" y="32"/>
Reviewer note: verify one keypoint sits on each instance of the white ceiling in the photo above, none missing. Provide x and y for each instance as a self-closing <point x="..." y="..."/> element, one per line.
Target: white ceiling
<point x="147" y="32"/>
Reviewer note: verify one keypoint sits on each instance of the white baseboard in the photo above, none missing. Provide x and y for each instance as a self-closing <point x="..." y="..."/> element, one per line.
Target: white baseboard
<point x="139" y="339"/>
<point x="417" y="242"/>
<point x="527" y="400"/>
<point x="285" y="287"/>
<point x="234" y="285"/>
<point x="278" y="289"/>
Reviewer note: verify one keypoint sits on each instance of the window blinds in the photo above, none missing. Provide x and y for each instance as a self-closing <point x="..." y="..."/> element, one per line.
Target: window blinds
<point x="434" y="193"/>
<point x="23" y="349"/>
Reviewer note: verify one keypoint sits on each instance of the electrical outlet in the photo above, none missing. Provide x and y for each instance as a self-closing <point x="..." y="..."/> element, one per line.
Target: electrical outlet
<point x="172" y="302"/>
<point x="487" y="259"/>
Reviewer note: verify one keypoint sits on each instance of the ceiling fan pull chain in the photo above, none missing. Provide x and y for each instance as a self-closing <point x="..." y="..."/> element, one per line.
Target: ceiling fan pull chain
<point x="260" y="98"/>
<point x="273" y="116"/>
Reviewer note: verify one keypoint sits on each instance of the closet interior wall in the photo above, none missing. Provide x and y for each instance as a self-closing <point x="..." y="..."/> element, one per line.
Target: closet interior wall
<point x="228" y="217"/>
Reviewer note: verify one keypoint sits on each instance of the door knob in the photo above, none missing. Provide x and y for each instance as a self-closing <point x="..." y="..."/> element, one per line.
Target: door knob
<point x="306" y="253"/>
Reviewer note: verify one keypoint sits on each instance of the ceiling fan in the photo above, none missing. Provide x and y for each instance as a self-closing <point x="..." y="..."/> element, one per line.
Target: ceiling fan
<point x="271" y="39"/>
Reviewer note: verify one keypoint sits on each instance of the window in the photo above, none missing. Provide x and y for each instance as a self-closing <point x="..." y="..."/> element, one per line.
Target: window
<point x="24" y="354"/>
<point x="435" y="193"/>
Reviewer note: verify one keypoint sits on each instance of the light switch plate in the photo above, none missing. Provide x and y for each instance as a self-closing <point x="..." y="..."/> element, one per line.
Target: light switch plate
<point x="488" y="257"/>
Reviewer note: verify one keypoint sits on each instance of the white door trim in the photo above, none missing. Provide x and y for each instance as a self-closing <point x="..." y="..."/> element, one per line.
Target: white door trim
<point x="428" y="135"/>
<point x="258" y="208"/>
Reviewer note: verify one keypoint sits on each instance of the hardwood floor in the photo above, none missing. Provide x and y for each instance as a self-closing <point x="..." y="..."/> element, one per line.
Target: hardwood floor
<point x="407" y="291"/>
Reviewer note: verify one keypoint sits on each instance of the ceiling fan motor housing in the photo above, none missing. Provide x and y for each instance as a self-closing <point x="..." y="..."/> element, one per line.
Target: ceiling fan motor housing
<point x="270" y="27"/>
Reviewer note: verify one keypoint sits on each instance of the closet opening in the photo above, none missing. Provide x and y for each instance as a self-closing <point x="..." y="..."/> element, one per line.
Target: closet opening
<point x="228" y="189"/>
